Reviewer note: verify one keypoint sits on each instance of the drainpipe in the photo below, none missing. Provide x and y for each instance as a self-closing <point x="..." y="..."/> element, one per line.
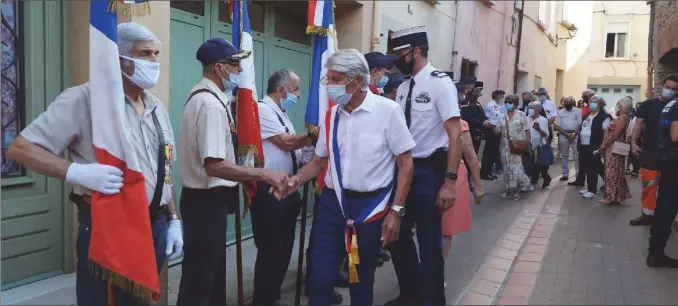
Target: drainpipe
<point x="455" y="40"/>
<point x="376" y="25"/>
<point x="500" y="71"/>
<point x="650" y="40"/>
<point x="518" y="45"/>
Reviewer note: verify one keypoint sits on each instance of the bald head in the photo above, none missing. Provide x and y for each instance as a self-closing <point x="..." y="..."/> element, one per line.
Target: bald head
<point x="587" y="94"/>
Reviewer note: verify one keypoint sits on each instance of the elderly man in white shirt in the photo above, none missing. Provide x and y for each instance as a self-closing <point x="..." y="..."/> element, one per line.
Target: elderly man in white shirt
<point x="274" y="221"/>
<point x="567" y="122"/>
<point x="363" y="137"/>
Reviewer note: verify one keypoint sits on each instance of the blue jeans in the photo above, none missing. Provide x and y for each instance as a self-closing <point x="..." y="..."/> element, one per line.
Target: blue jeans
<point x="92" y="290"/>
<point x="329" y="248"/>
<point x="421" y="276"/>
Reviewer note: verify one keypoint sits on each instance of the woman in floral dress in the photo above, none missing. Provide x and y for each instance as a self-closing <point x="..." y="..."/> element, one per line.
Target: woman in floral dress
<point x="616" y="188"/>
<point x="516" y="124"/>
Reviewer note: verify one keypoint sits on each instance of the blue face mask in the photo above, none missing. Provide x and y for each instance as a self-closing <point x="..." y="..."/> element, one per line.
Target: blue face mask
<point x="508" y="106"/>
<point x="231" y="82"/>
<point x="668" y="94"/>
<point x="287" y="103"/>
<point x="542" y="98"/>
<point x="338" y="95"/>
<point x="382" y="81"/>
<point x="593" y="107"/>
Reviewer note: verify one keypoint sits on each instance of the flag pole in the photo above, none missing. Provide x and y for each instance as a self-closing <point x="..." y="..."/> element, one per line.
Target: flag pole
<point x="302" y="240"/>
<point x="238" y="250"/>
<point x="111" y="293"/>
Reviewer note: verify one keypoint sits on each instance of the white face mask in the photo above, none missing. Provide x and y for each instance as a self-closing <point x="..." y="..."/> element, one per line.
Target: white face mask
<point x="145" y="74"/>
<point x="338" y="95"/>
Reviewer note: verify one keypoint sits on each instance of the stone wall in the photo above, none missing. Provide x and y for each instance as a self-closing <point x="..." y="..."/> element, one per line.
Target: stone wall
<point x="664" y="40"/>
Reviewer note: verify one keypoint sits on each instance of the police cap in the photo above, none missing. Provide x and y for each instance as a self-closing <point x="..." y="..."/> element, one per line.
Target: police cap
<point x="219" y="49"/>
<point x="379" y="60"/>
<point x="411" y="37"/>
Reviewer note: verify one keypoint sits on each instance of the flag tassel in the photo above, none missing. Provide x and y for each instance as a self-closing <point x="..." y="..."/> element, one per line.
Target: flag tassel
<point x="142" y="293"/>
<point x="129" y="9"/>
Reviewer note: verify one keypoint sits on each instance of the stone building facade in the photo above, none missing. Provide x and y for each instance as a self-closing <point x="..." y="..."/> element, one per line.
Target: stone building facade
<point x="664" y="44"/>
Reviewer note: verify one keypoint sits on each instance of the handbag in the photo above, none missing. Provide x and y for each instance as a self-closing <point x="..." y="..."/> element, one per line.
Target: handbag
<point x="621" y="148"/>
<point x="515" y="146"/>
<point x="544" y="155"/>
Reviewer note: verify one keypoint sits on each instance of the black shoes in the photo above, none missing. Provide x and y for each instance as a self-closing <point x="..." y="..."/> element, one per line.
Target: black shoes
<point x="488" y="177"/>
<point x="564" y="178"/>
<point x="546" y="183"/>
<point x="642" y="220"/>
<point x="660" y="260"/>
<point x="575" y="183"/>
<point x="342" y="281"/>
<point x="384" y="255"/>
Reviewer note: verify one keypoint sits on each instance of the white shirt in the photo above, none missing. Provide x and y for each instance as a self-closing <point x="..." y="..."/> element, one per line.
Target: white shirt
<point x="585" y="132"/>
<point x="205" y="133"/>
<point x="369" y="140"/>
<point x="550" y="109"/>
<point x="434" y="101"/>
<point x="493" y="112"/>
<point x="536" y="138"/>
<point x="274" y="157"/>
<point x="569" y="120"/>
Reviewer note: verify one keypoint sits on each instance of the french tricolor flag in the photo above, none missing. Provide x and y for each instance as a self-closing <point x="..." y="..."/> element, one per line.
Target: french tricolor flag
<point x="321" y="26"/>
<point x="121" y="247"/>
<point x="250" y="150"/>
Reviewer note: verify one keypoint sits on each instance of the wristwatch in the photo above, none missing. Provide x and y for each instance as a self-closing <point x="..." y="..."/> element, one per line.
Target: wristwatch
<point x="400" y="210"/>
<point x="451" y="175"/>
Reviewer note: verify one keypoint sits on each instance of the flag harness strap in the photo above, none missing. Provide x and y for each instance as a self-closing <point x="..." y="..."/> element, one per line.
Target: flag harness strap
<point x="295" y="166"/>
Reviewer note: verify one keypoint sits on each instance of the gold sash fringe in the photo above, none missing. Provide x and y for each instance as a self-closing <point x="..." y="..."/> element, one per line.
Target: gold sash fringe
<point x="129" y="10"/>
<point x="353" y="260"/>
<point x="139" y="292"/>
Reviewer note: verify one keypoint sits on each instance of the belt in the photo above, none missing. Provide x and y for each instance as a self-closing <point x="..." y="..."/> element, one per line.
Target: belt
<point x="84" y="204"/>
<point x="439" y="155"/>
<point x="361" y="194"/>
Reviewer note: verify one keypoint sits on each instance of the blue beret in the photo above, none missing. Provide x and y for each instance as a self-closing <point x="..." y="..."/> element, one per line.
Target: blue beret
<point x="218" y="49"/>
<point x="379" y="60"/>
<point x="411" y="37"/>
<point x="468" y="80"/>
<point x="542" y="91"/>
<point x="394" y="80"/>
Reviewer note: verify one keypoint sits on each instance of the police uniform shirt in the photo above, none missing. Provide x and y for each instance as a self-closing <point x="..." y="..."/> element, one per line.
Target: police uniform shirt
<point x="67" y="124"/>
<point x="205" y="133"/>
<point x="569" y="120"/>
<point x="669" y="115"/>
<point x="274" y="157"/>
<point x="434" y="101"/>
<point x="369" y="138"/>
<point x="549" y="108"/>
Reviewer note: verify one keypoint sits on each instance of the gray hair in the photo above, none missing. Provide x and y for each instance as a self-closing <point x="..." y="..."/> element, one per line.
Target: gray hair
<point x="131" y="32"/>
<point x="512" y="99"/>
<point x="352" y="63"/>
<point x="536" y="106"/>
<point x="597" y="99"/>
<point x="279" y="78"/>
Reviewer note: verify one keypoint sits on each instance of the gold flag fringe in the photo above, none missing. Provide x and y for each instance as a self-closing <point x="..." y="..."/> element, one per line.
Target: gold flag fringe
<point x="129" y="10"/>
<point x="141" y="293"/>
<point x="312" y="29"/>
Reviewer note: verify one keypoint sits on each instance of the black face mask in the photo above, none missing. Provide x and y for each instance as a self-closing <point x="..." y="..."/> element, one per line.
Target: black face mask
<point x="526" y="101"/>
<point x="403" y="66"/>
<point x="569" y="106"/>
<point x="585" y="99"/>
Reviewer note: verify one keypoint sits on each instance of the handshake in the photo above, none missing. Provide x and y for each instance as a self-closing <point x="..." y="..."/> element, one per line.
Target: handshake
<point x="281" y="184"/>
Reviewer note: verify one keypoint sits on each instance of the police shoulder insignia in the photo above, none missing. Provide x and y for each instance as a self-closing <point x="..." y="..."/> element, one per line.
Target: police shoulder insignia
<point x="438" y="73"/>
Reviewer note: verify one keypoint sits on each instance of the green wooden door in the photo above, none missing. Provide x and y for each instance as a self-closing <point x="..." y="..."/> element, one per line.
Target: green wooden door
<point x="278" y="31"/>
<point x="33" y="232"/>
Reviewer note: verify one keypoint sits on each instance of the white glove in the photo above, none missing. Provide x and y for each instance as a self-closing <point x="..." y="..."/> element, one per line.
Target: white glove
<point x="596" y="152"/>
<point x="102" y="178"/>
<point x="175" y="240"/>
<point x="307" y="154"/>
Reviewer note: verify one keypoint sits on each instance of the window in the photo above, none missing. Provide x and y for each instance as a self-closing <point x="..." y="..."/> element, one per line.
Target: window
<point x="468" y="67"/>
<point x="629" y="90"/>
<point x="616" y="40"/>
<point x="12" y="94"/>
<point x="606" y="90"/>
<point x="256" y="14"/>
<point x="594" y="89"/>
<point x="617" y="90"/>
<point x="193" y="7"/>
<point x="290" y="21"/>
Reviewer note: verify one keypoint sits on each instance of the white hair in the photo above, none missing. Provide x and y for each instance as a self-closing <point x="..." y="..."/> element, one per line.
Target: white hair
<point x="535" y="105"/>
<point x="350" y="62"/>
<point x="131" y="32"/>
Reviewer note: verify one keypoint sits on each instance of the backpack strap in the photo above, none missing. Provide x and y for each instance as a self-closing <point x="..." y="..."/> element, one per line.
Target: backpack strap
<point x="295" y="166"/>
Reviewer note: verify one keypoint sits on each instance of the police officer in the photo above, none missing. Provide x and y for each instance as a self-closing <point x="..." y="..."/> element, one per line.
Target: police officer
<point x="208" y="174"/>
<point x="274" y="221"/>
<point x="380" y="66"/>
<point x="429" y="99"/>
<point x="394" y="80"/>
<point x="363" y="138"/>
<point x="667" y="206"/>
<point x="67" y="125"/>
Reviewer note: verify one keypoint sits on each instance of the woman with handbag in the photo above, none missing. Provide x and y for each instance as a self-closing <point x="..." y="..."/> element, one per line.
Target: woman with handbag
<point x="514" y="131"/>
<point x="615" y="149"/>
<point x="541" y="155"/>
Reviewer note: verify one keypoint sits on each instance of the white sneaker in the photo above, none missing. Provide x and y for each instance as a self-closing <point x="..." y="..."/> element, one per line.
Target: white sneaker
<point x="589" y="195"/>
<point x="583" y="191"/>
<point x="531" y="188"/>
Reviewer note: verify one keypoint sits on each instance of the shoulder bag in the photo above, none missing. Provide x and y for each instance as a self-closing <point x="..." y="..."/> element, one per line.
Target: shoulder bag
<point x="515" y="146"/>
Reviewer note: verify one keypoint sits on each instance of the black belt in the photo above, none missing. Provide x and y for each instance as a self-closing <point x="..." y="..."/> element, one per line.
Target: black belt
<point x="362" y="194"/>
<point x="84" y="204"/>
<point x="439" y="155"/>
<point x="229" y="196"/>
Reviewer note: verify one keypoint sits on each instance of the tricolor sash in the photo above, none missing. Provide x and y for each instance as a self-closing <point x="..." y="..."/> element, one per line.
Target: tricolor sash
<point x="377" y="208"/>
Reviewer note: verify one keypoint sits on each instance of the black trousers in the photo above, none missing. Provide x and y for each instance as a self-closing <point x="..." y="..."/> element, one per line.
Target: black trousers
<point x="536" y="170"/>
<point x="476" y="138"/>
<point x="490" y="154"/>
<point x="590" y="167"/>
<point x="204" y="214"/>
<point x="274" y="225"/>
<point x="667" y="206"/>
